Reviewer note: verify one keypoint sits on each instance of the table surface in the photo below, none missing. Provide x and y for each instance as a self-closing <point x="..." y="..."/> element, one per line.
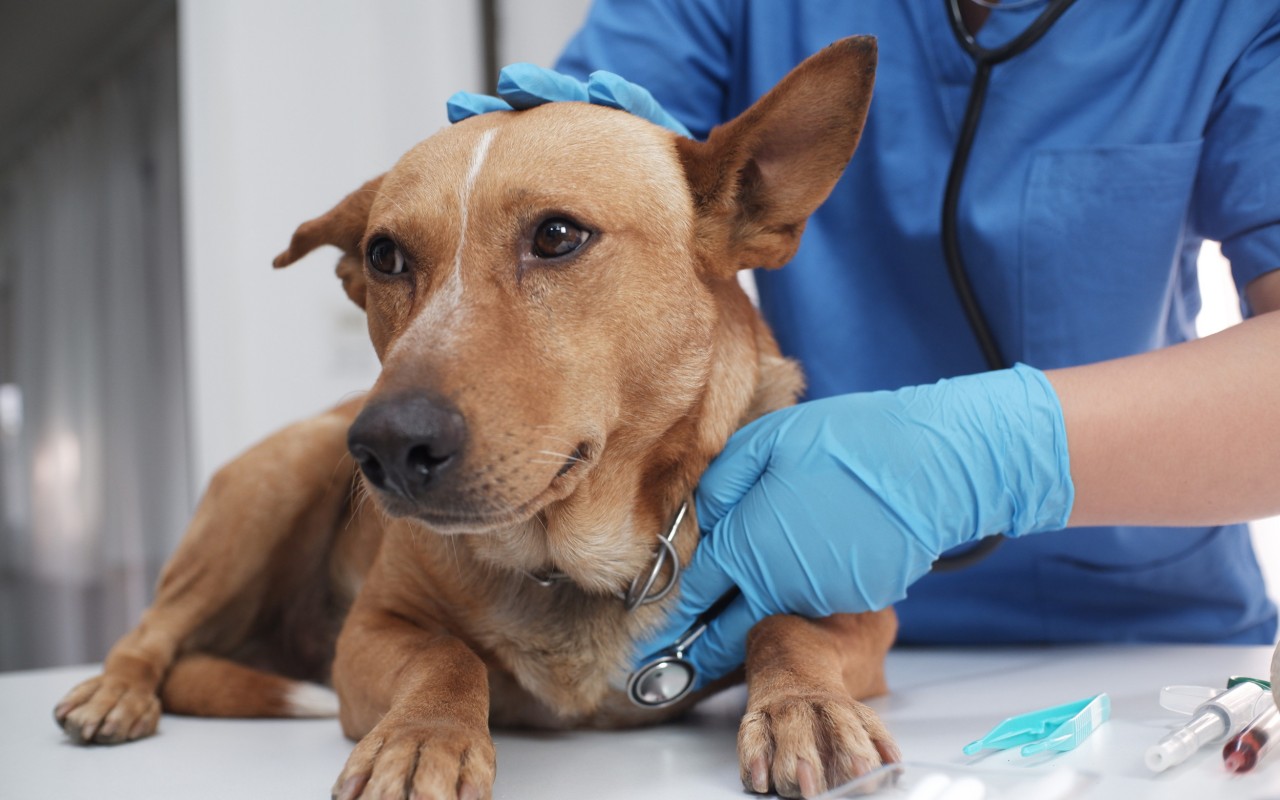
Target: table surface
<point x="940" y="700"/>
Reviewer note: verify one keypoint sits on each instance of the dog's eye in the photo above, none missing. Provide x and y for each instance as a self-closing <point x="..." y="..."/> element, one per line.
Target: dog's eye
<point x="558" y="237"/>
<point x="385" y="257"/>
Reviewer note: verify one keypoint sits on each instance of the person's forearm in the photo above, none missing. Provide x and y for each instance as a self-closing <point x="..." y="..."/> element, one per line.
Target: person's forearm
<point x="1187" y="435"/>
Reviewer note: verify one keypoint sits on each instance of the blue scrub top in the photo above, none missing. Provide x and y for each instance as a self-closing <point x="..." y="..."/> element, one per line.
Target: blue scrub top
<point x="1106" y="153"/>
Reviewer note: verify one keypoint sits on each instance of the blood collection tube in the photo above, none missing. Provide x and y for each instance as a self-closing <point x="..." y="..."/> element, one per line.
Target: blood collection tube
<point x="1212" y="721"/>
<point x="1244" y="751"/>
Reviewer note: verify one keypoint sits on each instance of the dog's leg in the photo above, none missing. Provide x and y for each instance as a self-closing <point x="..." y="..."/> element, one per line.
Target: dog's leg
<point x="418" y="701"/>
<point x="805" y="731"/>
<point x="211" y="590"/>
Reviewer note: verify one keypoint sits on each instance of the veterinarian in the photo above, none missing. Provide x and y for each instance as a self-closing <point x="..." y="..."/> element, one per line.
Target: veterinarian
<point x="1106" y="152"/>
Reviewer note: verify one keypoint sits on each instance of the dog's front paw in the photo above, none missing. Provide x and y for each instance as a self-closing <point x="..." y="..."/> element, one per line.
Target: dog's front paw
<point x="800" y="746"/>
<point x="108" y="710"/>
<point x="422" y="761"/>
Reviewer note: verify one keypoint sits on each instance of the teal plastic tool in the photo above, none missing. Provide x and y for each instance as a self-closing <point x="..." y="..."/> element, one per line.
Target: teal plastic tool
<point x="1060" y="728"/>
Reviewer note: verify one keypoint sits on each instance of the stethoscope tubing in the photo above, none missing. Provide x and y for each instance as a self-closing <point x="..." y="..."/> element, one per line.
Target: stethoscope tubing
<point x="1018" y="44"/>
<point x="984" y="59"/>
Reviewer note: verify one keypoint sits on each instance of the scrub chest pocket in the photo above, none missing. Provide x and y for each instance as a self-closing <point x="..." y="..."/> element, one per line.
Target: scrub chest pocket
<point x="1101" y="251"/>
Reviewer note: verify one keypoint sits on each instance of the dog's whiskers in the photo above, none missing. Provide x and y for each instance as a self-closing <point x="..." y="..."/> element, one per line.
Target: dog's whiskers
<point x="359" y="496"/>
<point x="571" y="457"/>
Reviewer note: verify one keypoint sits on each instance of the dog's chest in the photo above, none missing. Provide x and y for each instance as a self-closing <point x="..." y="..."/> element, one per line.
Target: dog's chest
<point x="555" y="655"/>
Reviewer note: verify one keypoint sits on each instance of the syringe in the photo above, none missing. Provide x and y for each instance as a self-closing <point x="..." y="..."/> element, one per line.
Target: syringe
<point x="1214" y="720"/>
<point x="1244" y="751"/>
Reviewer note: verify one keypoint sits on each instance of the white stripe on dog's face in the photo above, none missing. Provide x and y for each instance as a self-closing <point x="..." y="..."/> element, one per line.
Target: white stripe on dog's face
<point x="446" y="308"/>
<point x="452" y="288"/>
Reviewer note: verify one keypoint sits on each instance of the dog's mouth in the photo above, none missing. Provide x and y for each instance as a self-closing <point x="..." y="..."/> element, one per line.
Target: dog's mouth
<point x="477" y="511"/>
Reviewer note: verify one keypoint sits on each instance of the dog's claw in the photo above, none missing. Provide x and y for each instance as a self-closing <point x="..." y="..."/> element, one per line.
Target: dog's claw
<point x="760" y="774"/>
<point x="808" y="779"/>
<point x="888" y="750"/>
<point x="142" y="727"/>
<point x="351" y="787"/>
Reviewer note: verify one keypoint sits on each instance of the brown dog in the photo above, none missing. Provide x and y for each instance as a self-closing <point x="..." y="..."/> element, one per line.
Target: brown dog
<point x="564" y="348"/>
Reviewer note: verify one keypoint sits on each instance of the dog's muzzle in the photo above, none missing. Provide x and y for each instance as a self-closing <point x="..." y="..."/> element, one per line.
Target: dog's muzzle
<point x="405" y="444"/>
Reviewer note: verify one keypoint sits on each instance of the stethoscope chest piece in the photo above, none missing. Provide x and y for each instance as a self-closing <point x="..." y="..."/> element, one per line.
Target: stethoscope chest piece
<point x="665" y="680"/>
<point x="668" y="677"/>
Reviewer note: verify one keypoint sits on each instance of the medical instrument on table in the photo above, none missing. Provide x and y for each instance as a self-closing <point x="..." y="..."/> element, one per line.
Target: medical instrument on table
<point x="1059" y="728"/>
<point x="1243" y="752"/>
<point x="1235" y="679"/>
<point x="667" y="677"/>
<point x="984" y="59"/>
<point x="1186" y="699"/>
<point x="1223" y="716"/>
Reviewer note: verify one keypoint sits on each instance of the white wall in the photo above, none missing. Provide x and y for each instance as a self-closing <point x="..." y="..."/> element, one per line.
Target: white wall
<point x="287" y="105"/>
<point x="537" y="31"/>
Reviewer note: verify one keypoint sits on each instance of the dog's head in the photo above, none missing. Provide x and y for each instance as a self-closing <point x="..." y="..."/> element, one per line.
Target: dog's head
<point x="552" y="292"/>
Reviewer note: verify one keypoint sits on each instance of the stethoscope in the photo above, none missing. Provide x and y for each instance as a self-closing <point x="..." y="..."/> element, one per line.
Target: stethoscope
<point x="668" y="677"/>
<point x="985" y="59"/>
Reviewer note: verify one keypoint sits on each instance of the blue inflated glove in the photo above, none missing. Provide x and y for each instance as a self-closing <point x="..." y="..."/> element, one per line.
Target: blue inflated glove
<point x="526" y="85"/>
<point x="838" y="505"/>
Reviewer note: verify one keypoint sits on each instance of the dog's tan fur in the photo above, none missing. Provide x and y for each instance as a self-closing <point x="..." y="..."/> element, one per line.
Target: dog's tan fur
<point x="595" y="391"/>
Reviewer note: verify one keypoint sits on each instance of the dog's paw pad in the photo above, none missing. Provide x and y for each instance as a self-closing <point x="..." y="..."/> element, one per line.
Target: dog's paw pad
<point x="803" y="746"/>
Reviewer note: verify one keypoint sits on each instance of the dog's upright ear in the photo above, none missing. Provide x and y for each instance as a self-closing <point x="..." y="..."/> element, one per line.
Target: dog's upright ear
<point x="757" y="178"/>
<point x="342" y="226"/>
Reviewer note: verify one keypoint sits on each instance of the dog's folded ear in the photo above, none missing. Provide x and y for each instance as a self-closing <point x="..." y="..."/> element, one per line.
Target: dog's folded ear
<point x="757" y="178"/>
<point x="342" y="226"/>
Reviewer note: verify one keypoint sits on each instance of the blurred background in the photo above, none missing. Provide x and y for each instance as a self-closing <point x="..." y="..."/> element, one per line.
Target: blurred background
<point x="155" y="155"/>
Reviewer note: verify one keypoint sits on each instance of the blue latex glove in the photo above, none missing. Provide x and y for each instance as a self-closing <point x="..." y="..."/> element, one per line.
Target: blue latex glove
<point x="838" y="505"/>
<point x="525" y="86"/>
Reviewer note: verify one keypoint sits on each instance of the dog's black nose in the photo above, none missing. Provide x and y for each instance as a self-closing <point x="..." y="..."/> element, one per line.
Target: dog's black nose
<point x="405" y="442"/>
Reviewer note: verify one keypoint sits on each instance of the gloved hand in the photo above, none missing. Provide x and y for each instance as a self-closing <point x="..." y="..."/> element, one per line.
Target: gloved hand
<point x="838" y="505"/>
<point x="525" y="86"/>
